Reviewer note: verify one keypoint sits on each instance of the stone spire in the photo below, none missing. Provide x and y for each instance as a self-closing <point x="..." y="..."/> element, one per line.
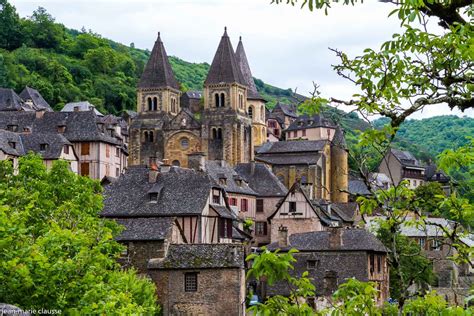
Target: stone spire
<point x="243" y="63"/>
<point x="158" y="72"/>
<point x="224" y="67"/>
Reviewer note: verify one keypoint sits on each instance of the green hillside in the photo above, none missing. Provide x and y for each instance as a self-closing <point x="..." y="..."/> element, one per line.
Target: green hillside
<point x="68" y="65"/>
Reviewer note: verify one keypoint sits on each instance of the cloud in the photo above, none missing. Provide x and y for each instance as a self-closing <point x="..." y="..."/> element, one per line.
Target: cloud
<point x="286" y="46"/>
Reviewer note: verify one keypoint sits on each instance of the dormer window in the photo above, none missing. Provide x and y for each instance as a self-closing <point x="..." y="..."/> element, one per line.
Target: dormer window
<point x="223" y="181"/>
<point x="12" y="128"/>
<point x="310" y="122"/>
<point x="26" y="129"/>
<point x="216" y="196"/>
<point x="44" y="146"/>
<point x="153" y="196"/>
<point x="61" y="129"/>
<point x="239" y="182"/>
<point x="300" y="123"/>
<point x="76" y="109"/>
<point x="66" y="149"/>
<point x="12" y="144"/>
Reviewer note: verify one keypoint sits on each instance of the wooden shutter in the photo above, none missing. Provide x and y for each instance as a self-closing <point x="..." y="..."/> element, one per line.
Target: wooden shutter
<point x="221" y="227"/>
<point x="259" y="205"/>
<point x="229" y="228"/>
<point x="85" y="149"/>
<point x="265" y="228"/>
<point x="85" y="169"/>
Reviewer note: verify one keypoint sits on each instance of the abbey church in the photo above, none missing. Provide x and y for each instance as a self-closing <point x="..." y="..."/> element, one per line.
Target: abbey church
<point x="229" y="125"/>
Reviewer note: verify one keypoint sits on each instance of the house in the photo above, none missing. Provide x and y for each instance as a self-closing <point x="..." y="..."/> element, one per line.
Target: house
<point x="434" y="174"/>
<point x="401" y="165"/>
<point x="80" y="106"/>
<point x="192" y="100"/>
<point x="34" y="99"/>
<point x="314" y="127"/>
<point x="285" y="114"/>
<point x="11" y="147"/>
<point x="10" y="101"/>
<point x="180" y="231"/>
<point x="269" y="193"/>
<point x="320" y="163"/>
<point x="333" y="256"/>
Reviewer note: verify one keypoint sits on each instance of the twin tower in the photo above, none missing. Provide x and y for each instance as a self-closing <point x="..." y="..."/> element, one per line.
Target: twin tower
<point x="230" y="121"/>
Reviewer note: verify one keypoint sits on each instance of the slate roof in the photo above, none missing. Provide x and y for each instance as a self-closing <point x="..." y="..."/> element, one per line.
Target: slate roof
<point x="7" y="137"/>
<point x="144" y="228"/>
<point x="224" y="67"/>
<point x="286" y="109"/>
<point x="180" y="192"/>
<point x="54" y="144"/>
<point x="345" y="211"/>
<point x="339" y="140"/>
<point x="23" y="120"/>
<point x="406" y="158"/>
<point x="218" y="169"/>
<point x="10" y="101"/>
<point x="81" y="106"/>
<point x="353" y="239"/>
<point x="289" y="159"/>
<point x="194" y="94"/>
<point x="158" y="72"/>
<point x="358" y="187"/>
<point x="200" y="256"/>
<point x="261" y="179"/>
<point x="243" y="63"/>
<point x="306" y="121"/>
<point x="292" y="146"/>
<point x="38" y="101"/>
<point x="432" y="173"/>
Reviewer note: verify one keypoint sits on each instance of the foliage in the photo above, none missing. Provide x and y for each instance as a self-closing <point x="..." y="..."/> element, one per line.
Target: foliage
<point x="10" y="26"/>
<point x="428" y="196"/>
<point x="356" y="298"/>
<point x="55" y="251"/>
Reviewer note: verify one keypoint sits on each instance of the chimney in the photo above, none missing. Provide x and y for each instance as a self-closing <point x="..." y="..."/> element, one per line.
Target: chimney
<point x="197" y="161"/>
<point x="335" y="238"/>
<point x="153" y="173"/>
<point x="165" y="166"/>
<point x="40" y="113"/>
<point x="252" y="167"/>
<point x="283" y="236"/>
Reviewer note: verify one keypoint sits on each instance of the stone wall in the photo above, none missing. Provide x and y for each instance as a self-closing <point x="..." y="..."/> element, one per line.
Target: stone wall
<point x="294" y="225"/>
<point x="139" y="252"/>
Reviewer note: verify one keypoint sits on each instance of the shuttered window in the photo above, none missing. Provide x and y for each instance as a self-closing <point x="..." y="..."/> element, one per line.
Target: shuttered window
<point x="259" y="206"/>
<point x="85" y="149"/>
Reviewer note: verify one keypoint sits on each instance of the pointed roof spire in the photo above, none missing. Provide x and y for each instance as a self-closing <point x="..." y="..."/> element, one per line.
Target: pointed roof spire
<point x="158" y="72"/>
<point x="224" y="67"/>
<point x="243" y="63"/>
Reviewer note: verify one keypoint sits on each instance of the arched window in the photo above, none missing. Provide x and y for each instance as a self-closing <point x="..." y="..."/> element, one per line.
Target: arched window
<point x="150" y="137"/>
<point x="222" y="99"/>
<point x="173" y="105"/>
<point x="184" y="143"/>
<point x="250" y="112"/>
<point x="214" y="133"/>
<point x="155" y="103"/>
<point x="219" y="133"/>
<point x="216" y="100"/>
<point x="150" y="106"/>
<point x="176" y="163"/>
<point x="262" y="113"/>
<point x="146" y="136"/>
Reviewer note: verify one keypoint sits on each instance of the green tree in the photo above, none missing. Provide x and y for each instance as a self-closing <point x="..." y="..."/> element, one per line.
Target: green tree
<point x="3" y="73"/>
<point x="429" y="195"/>
<point x="42" y="31"/>
<point x="10" y="27"/>
<point x="55" y="251"/>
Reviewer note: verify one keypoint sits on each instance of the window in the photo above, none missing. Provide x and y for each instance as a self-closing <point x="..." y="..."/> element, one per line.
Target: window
<point x="259" y="205"/>
<point x="216" y="197"/>
<point x="312" y="264"/>
<point x="295" y="134"/>
<point x="43" y="146"/>
<point x="262" y="113"/>
<point x="219" y="133"/>
<point x="107" y="150"/>
<point x="422" y="243"/>
<point x="150" y="105"/>
<point x="303" y="132"/>
<point x="233" y="201"/>
<point x="244" y="205"/>
<point x="216" y="100"/>
<point x="76" y="109"/>
<point x="12" y="128"/>
<point x="150" y="137"/>
<point x="84" y="169"/>
<point x="225" y="228"/>
<point x="176" y="163"/>
<point x="12" y="144"/>
<point x="250" y="112"/>
<point x="117" y="152"/>
<point x="238" y="182"/>
<point x="190" y="282"/>
<point x="155" y="103"/>
<point x="184" y="143"/>
<point x="292" y="207"/>
<point x="66" y="149"/>
<point x="61" y="129"/>
<point x="436" y="245"/>
<point x="85" y="149"/>
<point x="379" y="264"/>
<point x="153" y="196"/>
<point x="260" y="228"/>
<point x="222" y="181"/>
<point x="222" y="103"/>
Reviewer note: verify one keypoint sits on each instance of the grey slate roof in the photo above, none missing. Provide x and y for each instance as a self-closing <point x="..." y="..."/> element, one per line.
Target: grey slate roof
<point x="158" y="72"/>
<point x="358" y="187"/>
<point x="80" y="106"/>
<point x="345" y="211"/>
<point x="243" y="63"/>
<point x="261" y="179"/>
<point x="289" y="159"/>
<point x="200" y="256"/>
<point x="181" y="192"/>
<point x="10" y="101"/>
<point x="224" y="67"/>
<point x="353" y="239"/>
<point x="292" y="146"/>
<point x="218" y="169"/>
<point x="286" y="109"/>
<point x="36" y="98"/>
<point x="406" y="158"/>
<point x="194" y="94"/>
<point x="54" y="144"/>
<point x="306" y="121"/>
<point x="432" y="173"/>
<point x="144" y="228"/>
<point x="7" y="137"/>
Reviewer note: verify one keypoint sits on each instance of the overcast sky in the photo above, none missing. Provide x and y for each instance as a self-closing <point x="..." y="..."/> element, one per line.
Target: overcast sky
<point x="286" y="47"/>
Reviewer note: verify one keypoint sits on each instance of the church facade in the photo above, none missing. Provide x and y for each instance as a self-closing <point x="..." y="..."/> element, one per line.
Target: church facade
<point x="228" y="127"/>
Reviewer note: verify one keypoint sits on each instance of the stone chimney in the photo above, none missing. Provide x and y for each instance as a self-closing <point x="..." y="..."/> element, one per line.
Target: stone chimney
<point x="197" y="161"/>
<point x="153" y="173"/>
<point x="40" y="113"/>
<point x="283" y="236"/>
<point x="335" y="238"/>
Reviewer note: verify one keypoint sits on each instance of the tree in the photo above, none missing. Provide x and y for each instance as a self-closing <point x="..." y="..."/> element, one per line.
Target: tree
<point x="55" y="251"/>
<point x="10" y="26"/>
<point x="3" y="73"/>
<point x="42" y="31"/>
<point x="429" y="195"/>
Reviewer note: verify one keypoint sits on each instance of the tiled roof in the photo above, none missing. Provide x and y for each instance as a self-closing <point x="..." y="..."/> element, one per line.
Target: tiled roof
<point x="158" y="72"/>
<point x="306" y="121"/>
<point x="180" y="192"/>
<point x="346" y="211"/>
<point x="353" y="239"/>
<point x="10" y="101"/>
<point x="53" y="144"/>
<point x="194" y="94"/>
<point x="219" y="169"/>
<point x="358" y="187"/>
<point x="38" y="101"/>
<point x="286" y="109"/>
<point x="145" y="228"/>
<point x="224" y="67"/>
<point x="200" y="256"/>
<point x="289" y="159"/>
<point x="6" y="141"/>
<point x="406" y="158"/>
<point x="292" y="146"/>
<point x="261" y="179"/>
<point x="243" y="63"/>
<point x="432" y="173"/>
<point x="80" y="106"/>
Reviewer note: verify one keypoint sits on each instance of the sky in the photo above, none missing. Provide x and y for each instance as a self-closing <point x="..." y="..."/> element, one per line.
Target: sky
<point x="287" y="47"/>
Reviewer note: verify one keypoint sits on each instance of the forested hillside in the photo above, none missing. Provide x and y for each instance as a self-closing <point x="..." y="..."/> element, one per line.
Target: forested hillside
<point x="68" y="65"/>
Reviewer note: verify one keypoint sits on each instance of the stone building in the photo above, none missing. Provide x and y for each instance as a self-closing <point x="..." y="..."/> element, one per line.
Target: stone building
<point x="331" y="258"/>
<point x="269" y="193"/>
<point x="192" y="100"/>
<point x="222" y="128"/>
<point x="310" y="128"/>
